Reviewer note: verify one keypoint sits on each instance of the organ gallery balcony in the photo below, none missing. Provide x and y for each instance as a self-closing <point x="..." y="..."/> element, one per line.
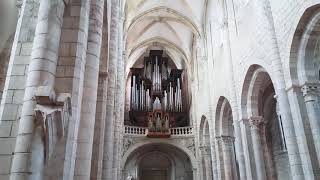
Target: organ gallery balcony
<point x="157" y="96"/>
<point x="144" y="131"/>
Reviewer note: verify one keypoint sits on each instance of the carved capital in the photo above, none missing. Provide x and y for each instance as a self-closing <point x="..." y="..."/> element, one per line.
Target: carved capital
<point x="205" y="150"/>
<point x="103" y="74"/>
<point x="256" y="122"/>
<point x="310" y="91"/>
<point x="19" y="4"/>
<point x="226" y="139"/>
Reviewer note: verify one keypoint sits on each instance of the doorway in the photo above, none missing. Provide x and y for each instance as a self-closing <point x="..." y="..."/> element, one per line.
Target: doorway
<point x="154" y="174"/>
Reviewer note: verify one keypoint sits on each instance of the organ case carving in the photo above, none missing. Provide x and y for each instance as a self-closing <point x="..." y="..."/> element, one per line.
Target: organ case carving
<point x="156" y="88"/>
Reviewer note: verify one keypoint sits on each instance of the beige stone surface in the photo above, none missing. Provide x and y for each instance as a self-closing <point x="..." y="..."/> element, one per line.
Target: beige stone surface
<point x="251" y="77"/>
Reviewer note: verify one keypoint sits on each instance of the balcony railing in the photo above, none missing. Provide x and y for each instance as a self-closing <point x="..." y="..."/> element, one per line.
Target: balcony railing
<point x="181" y="131"/>
<point x="143" y="131"/>
<point x="133" y="130"/>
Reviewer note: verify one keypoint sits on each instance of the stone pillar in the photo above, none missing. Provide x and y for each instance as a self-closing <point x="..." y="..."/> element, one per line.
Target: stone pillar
<point x="119" y="101"/>
<point x="206" y="155"/>
<point x="311" y="98"/>
<point x="229" y="163"/>
<point x="267" y="153"/>
<point x="219" y="158"/>
<point x="98" y="140"/>
<point x="41" y="72"/>
<point x="194" y="172"/>
<point x="90" y="88"/>
<point x="112" y="78"/>
<point x="245" y="134"/>
<point x="265" y="27"/>
<point x="255" y="123"/>
<point x="212" y="153"/>
<point x="232" y="87"/>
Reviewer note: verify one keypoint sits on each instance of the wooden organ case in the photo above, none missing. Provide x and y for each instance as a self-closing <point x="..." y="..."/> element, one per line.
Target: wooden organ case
<point x="157" y="96"/>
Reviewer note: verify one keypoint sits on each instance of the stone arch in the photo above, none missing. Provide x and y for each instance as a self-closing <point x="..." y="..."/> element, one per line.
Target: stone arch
<point x="260" y="81"/>
<point x="162" y="42"/>
<point x="223" y="123"/>
<point x="304" y="45"/>
<point x="203" y="123"/>
<point x="224" y="141"/>
<point x="250" y="84"/>
<point x="305" y="74"/>
<point x="136" y="146"/>
<point x="166" y="156"/>
<point x="205" y="147"/>
<point x="267" y="142"/>
<point x="178" y="155"/>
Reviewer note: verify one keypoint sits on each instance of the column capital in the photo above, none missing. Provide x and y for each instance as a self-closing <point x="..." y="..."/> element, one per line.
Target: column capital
<point x="224" y="138"/>
<point x="256" y="122"/>
<point x="19" y="5"/>
<point x="103" y="74"/>
<point x="205" y="150"/>
<point x="310" y="91"/>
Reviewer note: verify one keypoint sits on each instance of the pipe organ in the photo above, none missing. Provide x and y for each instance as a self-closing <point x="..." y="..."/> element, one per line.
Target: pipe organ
<point x="157" y="87"/>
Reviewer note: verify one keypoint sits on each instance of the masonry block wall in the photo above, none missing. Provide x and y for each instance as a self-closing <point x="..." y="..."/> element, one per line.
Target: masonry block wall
<point x="253" y="79"/>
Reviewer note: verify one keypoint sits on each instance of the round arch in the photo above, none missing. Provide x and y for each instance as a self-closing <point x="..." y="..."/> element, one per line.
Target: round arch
<point x="203" y="124"/>
<point x="305" y="48"/>
<point x="181" y="148"/>
<point x="166" y="156"/>
<point x="224" y="137"/>
<point x="251" y="82"/>
<point x="259" y="106"/>
<point x="223" y="115"/>
<point x="162" y="42"/>
<point x="299" y="23"/>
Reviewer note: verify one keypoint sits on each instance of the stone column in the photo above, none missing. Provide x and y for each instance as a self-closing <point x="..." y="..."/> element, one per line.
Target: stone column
<point x="194" y="173"/>
<point x="206" y="155"/>
<point x="229" y="163"/>
<point x="119" y="101"/>
<point x="255" y="123"/>
<point x="213" y="154"/>
<point x="98" y="140"/>
<point x="245" y="134"/>
<point x="219" y="158"/>
<point x="232" y="86"/>
<point x="90" y="88"/>
<point x="112" y="78"/>
<point x="265" y="27"/>
<point x="311" y="98"/>
<point x="41" y="72"/>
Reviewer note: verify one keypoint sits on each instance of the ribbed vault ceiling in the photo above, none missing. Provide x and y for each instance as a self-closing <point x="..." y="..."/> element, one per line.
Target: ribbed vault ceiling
<point x="170" y="25"/>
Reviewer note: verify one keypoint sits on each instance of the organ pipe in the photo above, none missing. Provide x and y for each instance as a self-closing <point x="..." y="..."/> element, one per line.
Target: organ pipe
<point x="167" y="97"/>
